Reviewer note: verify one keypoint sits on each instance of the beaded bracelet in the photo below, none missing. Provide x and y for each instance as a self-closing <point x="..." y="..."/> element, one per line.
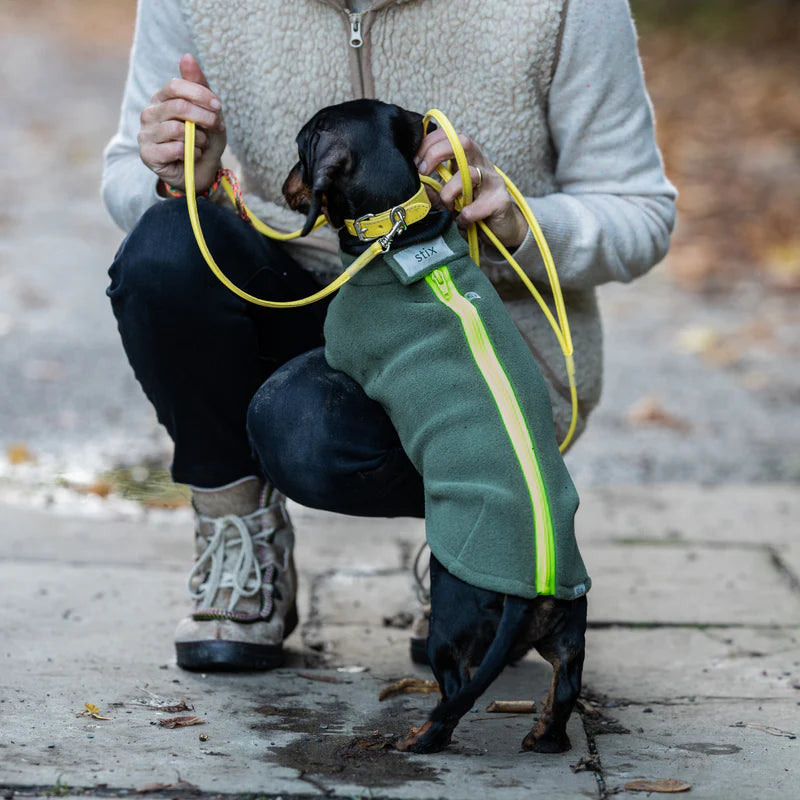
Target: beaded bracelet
<point x="241" y="209"/>
<point x="173" y="192"/>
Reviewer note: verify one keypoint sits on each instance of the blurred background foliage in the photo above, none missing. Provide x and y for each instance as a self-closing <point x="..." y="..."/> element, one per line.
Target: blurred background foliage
<point x="724" y="76"/>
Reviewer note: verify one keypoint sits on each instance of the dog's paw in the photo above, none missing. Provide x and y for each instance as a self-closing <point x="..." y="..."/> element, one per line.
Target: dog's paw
<point x="428" y="738"/>
<point x="546" y="744"/>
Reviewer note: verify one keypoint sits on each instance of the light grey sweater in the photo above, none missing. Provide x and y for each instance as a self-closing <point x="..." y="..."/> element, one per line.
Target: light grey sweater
<point x="581" y="144"/>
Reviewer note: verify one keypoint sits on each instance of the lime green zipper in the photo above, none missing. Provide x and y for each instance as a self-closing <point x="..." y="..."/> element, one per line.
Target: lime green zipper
<point x="441" y="282"/>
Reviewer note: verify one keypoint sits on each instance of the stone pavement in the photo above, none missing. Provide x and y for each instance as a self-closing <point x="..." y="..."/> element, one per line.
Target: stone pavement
<point x="692" y="672"/>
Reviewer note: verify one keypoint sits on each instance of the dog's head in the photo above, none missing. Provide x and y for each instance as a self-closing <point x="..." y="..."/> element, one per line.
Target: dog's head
<point x="355" y="158"/>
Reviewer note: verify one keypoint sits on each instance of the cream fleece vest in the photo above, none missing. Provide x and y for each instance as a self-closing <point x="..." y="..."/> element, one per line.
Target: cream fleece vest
<point x="275" y="63"/>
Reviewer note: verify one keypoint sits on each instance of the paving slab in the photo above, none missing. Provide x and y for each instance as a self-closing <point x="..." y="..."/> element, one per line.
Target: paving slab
<point x="694" y="512"/>
<point x="651" y="583"/>
<point x="702" y="744"/>
<point x="671" y="664"/>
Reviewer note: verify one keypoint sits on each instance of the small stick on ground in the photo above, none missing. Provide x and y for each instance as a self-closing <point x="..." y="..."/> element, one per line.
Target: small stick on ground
<point x="511" y="707"/>
<point x="322" y="678"/>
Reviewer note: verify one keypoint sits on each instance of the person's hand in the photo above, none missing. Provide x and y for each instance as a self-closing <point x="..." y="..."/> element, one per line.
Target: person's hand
<point x="491" y="201"/>
<point x="162" y="131"/>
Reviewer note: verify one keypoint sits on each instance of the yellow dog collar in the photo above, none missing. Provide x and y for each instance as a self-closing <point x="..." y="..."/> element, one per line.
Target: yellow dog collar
<point x="373" y="226"/>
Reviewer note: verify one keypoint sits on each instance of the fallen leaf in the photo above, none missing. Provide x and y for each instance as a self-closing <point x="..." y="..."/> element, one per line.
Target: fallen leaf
<point x="18" y="453"/>
<point x="91" y="710"/>
<point x="765" y="729"/>
<point x="408" y="686"/>
<point x="179" y="722"/>
<point x="649" y="411"/>
<point x="665" y="785"/>
<point x="511" y="707"/>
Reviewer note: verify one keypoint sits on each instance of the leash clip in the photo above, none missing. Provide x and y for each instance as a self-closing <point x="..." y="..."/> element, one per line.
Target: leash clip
<point x="398" y="218"/>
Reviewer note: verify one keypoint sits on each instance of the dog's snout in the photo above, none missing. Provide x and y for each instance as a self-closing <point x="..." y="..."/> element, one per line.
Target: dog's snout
<point x="297" y="193"/>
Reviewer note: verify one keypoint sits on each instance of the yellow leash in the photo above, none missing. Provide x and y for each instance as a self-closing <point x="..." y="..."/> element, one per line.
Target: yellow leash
<point x="560" y="326"/>
<point x="191" y="202"/>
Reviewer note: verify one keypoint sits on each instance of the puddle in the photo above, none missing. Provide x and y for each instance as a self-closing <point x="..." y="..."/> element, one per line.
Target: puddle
<point x="329" y="748"/>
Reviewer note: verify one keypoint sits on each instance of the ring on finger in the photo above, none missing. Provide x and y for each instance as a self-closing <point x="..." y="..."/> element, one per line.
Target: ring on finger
<point x="480" y="178"/>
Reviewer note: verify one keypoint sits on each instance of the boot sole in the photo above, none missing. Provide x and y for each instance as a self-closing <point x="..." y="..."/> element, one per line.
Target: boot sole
<point x="221" y="656"/>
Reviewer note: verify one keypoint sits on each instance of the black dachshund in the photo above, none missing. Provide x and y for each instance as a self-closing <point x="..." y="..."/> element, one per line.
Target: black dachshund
<point x="356" y="159"/>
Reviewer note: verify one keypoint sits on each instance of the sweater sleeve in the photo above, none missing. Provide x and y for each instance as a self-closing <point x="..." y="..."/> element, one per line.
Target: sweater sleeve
<point x="614" y="211"/>
<point x="161" y="38"/>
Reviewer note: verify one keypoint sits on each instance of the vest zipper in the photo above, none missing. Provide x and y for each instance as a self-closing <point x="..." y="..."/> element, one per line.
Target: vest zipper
<point x="513" y="419"/>
<point x="356" y="39"/>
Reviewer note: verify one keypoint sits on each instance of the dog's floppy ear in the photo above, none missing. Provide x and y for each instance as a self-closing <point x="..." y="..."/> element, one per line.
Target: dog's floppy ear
<point x="407" y="130"/>
<point x="328" y="161"/>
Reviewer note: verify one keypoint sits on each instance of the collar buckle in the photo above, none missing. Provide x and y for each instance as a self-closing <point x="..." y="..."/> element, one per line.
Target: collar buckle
<point x="361" y="231"/>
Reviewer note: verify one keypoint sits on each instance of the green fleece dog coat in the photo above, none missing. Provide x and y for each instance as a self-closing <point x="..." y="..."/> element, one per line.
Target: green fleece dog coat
<point x="425" y="334"/>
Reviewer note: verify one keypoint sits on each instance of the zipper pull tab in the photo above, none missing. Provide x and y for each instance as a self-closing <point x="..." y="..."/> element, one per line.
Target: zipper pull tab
<point x="441" y="283"/>
<point x="355" y="29"/>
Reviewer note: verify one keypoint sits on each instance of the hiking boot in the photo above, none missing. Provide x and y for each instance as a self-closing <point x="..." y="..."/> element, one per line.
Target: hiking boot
<point x="243" y="582"/>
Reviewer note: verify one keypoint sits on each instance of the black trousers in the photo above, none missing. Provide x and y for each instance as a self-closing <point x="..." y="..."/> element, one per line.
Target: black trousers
<point x="246" y="390"/>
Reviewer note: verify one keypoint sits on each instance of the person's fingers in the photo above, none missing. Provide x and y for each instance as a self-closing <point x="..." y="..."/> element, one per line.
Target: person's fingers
<point x="421" y="159"/>
<point x="188" y="90"/>
<point x="172" y="130"/>
<point x="436" y="148"/>
<point x="486" y="205"/>
<point x="157" y="156"/>
<point x="454" y="187"/>
<point x="498" y="211"/>
<point x="180" y="108"/>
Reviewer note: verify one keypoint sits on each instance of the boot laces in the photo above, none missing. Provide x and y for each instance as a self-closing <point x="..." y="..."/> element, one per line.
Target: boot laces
<point x="235" y="559"/>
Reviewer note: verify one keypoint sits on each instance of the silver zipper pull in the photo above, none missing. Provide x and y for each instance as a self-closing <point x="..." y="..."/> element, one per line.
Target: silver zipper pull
<point x="356" y="39"/>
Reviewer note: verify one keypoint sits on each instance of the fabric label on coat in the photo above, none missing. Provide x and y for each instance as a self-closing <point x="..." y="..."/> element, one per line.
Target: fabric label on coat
<point x="415" y="262"/>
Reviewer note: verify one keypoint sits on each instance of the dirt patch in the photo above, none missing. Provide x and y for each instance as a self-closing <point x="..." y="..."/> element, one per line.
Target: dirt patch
<point x="364" y="755"/>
